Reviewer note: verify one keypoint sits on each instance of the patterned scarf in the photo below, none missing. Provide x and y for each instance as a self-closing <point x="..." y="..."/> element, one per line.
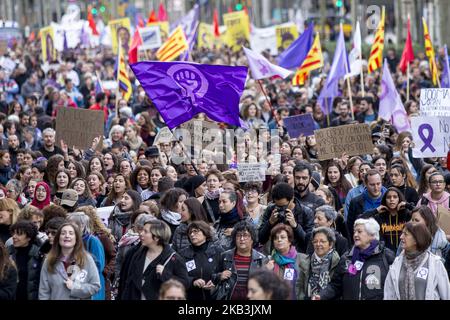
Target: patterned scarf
<point x="319" y="275"/>
<point x="211" y="195"/>
<point x="286" y="261"/>
<point x="411" y="262"/>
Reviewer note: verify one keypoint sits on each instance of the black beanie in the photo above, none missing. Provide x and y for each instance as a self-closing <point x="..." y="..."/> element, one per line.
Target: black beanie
<point x="193" y="183"/>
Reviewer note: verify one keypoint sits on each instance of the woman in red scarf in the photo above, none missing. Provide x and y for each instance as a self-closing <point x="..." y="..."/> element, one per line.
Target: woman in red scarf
<point x="42" y="195"/>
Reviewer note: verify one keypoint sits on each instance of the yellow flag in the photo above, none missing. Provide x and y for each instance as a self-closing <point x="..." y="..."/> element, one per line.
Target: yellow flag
<point x="313" y="61"/>
<point x="174" y="46"/>
<point x="120" y="28"/>
<point x="376" y="53"/>
<point x="429" y="51"/>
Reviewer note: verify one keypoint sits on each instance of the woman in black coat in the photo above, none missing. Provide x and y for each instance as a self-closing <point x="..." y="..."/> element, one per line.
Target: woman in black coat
<point x="153" y="263"/>
<point x="8" y="275"/>
<point x="202" y="257"/>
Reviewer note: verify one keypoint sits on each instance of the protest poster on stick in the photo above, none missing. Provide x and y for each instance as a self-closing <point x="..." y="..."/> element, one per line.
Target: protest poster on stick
<point x="431" y="136"/>
<point x="435" y="102"/>
<point x="251" y="172"/>
<point x="285" y="34"/>
<point x="301" y="124"/>
<point x="353" y="139"/>
<point x="78" y="127"/>
<point x="151" y="37"/>
<point x="164" y="136"/>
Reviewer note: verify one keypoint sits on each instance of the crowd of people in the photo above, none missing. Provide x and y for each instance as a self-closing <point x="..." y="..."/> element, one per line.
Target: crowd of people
<point x="361" y="227"/>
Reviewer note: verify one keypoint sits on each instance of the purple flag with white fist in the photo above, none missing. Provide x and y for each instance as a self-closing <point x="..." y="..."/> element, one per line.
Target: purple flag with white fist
<point x="180" y="90"/>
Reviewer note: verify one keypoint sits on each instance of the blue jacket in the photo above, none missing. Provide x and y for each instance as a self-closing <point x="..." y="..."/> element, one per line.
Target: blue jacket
<point x="93" y="245"/>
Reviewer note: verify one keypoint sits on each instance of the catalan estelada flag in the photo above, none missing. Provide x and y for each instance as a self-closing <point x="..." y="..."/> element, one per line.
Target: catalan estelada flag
<point x="313" y="61"/>
<point x="429" y="51"/>
<point x="376" y="53"/>
<point x="175" y="45"/>
<point x="122" y="77"/>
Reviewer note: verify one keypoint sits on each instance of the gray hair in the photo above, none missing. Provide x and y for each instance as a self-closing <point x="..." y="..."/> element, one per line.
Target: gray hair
<point x="371" y="225"/>
<point x="114" y="128"/>
<point x="329" y="212"/>
<point x="48" y="130"/>
<point x="328" y="232"/>
<point x="142" y="219"/>
<point x="82" y="220"/>
<point x="16" y="184"/>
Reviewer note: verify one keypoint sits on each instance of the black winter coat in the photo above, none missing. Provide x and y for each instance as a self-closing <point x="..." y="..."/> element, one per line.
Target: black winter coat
<point x="201" y="263"/>
<point x="8" y="285"/>
<point x="175" y="268"/>
<point x="305" y="224"/>
<point x="367" y="284"/>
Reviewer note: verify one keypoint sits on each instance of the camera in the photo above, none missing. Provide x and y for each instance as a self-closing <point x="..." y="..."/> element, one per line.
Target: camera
<point x="281" y="213"/>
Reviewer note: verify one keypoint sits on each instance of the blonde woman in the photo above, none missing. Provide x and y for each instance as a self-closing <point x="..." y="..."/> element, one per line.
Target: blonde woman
<point x="9" y="211"/>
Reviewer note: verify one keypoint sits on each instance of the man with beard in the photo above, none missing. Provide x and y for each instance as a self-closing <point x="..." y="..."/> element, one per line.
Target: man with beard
<point x="302" y="179"/>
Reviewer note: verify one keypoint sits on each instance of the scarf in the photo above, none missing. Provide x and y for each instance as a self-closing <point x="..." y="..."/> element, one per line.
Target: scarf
<point x="433" y="204"/>
<point x="128" y="238"/>
<point x="172" y="217"/>
<point x="319" y="275"/>
<point x="229" y="218"/>
<point x="122" y="218"/>
<point x="211" y="195"/>
<point x="41" y="204"/>
<point x="361" y="256"/>
<point x="411" y="262"/>
<point x="287" y="261"/>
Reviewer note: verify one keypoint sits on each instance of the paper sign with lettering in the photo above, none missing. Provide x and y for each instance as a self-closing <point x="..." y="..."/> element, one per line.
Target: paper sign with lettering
<point x="78" y="127"/>
<point x="251" y="172"/>
<point x="151" y="37"/>
<point x="164" y="136"/>
<point x="103" y="213"/>
<point x="353" y="139"/>
<point x="297" y="125"/>
<point x="435" y="102"/>
<point x="431" y="136"/>
<point x="202" y="133"/>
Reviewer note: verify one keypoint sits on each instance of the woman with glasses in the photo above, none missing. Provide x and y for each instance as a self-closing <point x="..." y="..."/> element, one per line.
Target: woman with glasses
<point x="284" y="257"/>
<point x="254" y="208"/>
<point x="437" y="199"/>
<point x="42" y="195"/>
<point x="68" y="272"/>
<point x="425" y="173"/>
<point x="202" y="257"/>
<point x="317" y="268"/>
<point x="153" y="263"/>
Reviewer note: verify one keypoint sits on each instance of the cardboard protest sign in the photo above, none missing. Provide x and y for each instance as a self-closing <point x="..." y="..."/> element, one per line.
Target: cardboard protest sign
<point x="431" y="136"/>
<point x="151" y="37"/>
<point x="120" y="30"/>
<point x="286" y="34"/>
<point x="48" y="44"/>
<point x="435" y="102"/>
<point x="78" y="127"/>
<point x="251" y="172"/>
<point x="238" y="30"/>
<point x="353" y="139"/>
<point x="164" y="136"/>
<point x="301" y="124"/>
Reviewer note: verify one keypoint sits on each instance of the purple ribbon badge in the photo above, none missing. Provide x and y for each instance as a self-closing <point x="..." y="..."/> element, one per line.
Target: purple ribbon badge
<point x="428" y="139"/>
<point x="352" y="269"/>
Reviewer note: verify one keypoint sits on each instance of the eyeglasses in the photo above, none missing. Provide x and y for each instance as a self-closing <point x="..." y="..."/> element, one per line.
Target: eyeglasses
<point x="194" y="231"/>
<point x="320" y="241"/>
<point x="244" y="236"/>
<point x="437" y="182"/>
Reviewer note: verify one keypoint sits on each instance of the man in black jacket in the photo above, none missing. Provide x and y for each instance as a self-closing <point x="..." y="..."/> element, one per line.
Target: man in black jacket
<point x="302" y="179"/>
<point x="287" y="210"/>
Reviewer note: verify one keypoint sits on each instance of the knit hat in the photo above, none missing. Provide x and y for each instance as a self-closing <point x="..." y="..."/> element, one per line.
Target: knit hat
<point x="315" y="179"/>
<point x="193" y="183"/>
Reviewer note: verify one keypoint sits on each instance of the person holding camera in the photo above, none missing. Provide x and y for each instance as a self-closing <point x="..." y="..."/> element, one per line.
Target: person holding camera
<point x="287" y="210"/>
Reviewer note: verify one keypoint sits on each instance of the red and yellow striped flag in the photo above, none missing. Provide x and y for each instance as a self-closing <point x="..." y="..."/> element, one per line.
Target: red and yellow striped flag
<point x="376" y="53"/>
<point x="313" y="61"/>
<point x="429" y="51"/>
<point x="175" y="45"/>
<point x="122" y="77"/>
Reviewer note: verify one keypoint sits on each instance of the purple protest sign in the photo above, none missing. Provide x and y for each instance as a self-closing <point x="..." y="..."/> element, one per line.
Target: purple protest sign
<point x="301" y="124"/>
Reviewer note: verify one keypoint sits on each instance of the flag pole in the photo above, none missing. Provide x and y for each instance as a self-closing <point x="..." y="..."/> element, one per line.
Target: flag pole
<point x="362" y="75"/>
<point x="328" y="112"/>
<point x="117" y="79"/>
<point x="347" y="70"/>
<point x="407" y="82"/>
<point x="275" y="116"/>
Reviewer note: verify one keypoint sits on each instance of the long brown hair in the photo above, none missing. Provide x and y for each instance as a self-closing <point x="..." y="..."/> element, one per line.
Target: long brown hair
<point x="78" y="253"/>
<point x="5" y="261"/>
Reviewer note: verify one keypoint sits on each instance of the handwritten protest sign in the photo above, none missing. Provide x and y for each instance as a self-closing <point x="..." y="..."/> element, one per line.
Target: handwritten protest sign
<point x="103" y="213"/>
<point x="431" y="136"/>
<point x="151" y="37"/>
<point x="78" y="127"/>
<point x="297" y="125"/>
<point x="353" y="139"/>
<point x="164" y="136"/>
<point x="251" y="172"/>
<point x="435" y="102"/>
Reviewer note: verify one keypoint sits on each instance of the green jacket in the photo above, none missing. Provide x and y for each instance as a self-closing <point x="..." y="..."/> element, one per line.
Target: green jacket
<point x="304" y="263"/>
